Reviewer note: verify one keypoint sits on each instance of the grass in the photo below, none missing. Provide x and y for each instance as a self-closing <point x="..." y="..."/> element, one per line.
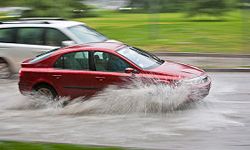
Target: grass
<point x="9" y="145"/>
<point x="175" y="32"/>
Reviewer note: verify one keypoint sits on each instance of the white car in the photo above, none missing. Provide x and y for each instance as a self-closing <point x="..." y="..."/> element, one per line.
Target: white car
<point x="20" y="40"/>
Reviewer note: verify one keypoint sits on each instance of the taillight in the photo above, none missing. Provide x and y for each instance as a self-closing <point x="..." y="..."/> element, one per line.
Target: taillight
<point x="20" y="73"/>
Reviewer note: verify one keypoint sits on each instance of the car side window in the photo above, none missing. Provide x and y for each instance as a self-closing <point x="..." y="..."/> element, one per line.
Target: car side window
<point x="109" y="62"/>
<point x="30" y="36"/>
<point x="55" y="37"/>
<point x="7" y="35"/>
<point x="73" y="61"/>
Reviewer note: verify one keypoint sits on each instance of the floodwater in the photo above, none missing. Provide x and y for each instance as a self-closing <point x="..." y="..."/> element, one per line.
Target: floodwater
<point x="142" y="117"/>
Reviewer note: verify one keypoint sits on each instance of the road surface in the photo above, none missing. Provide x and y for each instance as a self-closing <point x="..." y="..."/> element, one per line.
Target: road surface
<point x="220" y="122"/>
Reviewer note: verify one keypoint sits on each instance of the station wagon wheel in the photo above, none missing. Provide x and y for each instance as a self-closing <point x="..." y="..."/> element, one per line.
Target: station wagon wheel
<point x="46" y="91"/>
<point x="4" y="70"/>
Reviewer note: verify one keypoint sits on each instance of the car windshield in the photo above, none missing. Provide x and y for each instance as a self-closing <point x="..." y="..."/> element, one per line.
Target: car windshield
<point x="43" y="56"/>
<point x="87" y="34"/>
<point x="141" y="58"/>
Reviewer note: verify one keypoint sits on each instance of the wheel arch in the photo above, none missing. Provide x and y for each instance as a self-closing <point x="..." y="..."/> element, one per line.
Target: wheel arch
<point x="35" y="86"/>
<point x="5" y="60"/>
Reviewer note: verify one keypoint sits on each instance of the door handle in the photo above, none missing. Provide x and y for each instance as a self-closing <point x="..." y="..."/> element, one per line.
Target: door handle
<point x="57" y="76"/>
<point x="100" y="78"/>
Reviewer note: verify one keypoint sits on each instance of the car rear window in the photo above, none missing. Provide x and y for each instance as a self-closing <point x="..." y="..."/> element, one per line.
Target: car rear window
<point x="43" y="56"/>
<point x="7" y="35"/>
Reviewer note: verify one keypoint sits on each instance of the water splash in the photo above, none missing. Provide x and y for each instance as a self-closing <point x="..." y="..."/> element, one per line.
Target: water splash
<point x="136" y="98"/>
<point x="31" y="116"/>
<point x="133" y="98"/>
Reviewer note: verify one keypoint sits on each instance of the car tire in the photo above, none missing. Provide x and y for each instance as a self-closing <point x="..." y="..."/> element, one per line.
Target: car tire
<point x="5" y="72"/>
<point x="46" y="91"/>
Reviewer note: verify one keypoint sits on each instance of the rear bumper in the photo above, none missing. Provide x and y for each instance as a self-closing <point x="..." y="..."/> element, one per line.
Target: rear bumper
<point x="24" y="87"/>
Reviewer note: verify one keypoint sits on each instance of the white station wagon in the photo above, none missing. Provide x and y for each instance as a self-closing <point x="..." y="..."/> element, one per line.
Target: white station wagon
<point x="20" y="40"/>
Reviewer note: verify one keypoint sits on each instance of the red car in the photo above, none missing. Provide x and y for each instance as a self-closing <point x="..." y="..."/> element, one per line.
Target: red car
<point x="83" y="70"/>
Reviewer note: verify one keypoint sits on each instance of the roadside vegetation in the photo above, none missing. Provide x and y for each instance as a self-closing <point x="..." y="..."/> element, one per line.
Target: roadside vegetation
<point x="176" y="32"/>
<point x="217" y="26"/>
<point x="10" y="145"/>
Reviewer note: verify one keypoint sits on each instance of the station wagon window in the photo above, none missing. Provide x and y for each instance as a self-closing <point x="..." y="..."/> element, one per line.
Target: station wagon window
<point x="73" y="61"/>
<point x="109" y="62"/>
<point x="30" y="36"/>
<point x="87" y="34"/>
<point x="55" y="37"/>
<point x="7" y="35"/>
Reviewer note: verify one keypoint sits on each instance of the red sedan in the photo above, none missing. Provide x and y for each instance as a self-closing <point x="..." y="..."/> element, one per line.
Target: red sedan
<point x="83" y="70"/>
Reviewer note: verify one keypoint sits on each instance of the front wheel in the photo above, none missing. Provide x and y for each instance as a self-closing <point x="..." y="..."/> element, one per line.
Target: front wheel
<point x="46" y="91"/>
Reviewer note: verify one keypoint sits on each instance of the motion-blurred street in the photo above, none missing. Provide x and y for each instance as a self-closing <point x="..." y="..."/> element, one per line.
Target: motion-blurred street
<point x="213" y="35"/>
<point x="220" y="121"/>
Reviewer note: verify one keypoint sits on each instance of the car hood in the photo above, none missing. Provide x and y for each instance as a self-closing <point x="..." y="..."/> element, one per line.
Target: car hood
<point x="177" y="69"/>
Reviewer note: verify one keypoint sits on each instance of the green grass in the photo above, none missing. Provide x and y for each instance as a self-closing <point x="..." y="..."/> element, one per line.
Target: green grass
<point x="8" y="145"/>
<point x="175" y="32"/>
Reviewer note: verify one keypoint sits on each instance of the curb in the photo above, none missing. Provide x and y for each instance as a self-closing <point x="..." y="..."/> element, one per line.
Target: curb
<point x="227" y="70"/>
<point x="187" y="54"/>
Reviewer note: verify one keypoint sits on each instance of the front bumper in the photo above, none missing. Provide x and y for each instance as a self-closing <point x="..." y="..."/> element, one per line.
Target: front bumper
<point x="201" y="90"/>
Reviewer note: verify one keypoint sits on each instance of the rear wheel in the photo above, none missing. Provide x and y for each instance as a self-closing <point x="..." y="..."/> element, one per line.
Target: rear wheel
<point x="4" y="70"/>
<point x="46" y="91"/>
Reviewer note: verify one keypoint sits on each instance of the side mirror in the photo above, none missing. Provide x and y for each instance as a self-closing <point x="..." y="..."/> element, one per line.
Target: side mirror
<point x="130" y="70"/>
<point x="67" y="43"/>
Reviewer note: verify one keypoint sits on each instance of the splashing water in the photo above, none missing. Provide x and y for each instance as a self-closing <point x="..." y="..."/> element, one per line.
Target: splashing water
<point x="140" y="98"/>
<point x="81" y="121"/>
<point x="134" y="98"/>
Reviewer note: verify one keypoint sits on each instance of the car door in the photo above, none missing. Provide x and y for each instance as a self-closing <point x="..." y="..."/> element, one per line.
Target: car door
<point x="31" y="41"/>
<point x="109" y="70"/>
<point x="72" y="74"/>
<point x="28" y="42"/>
<point x="15" y="50"/>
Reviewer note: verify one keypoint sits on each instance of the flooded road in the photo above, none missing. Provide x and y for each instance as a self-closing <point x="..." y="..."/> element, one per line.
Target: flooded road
<point x="125" y="118"/>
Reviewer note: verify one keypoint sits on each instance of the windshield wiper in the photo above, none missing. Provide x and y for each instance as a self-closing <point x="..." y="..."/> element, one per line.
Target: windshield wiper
<point x="149" y="55"/>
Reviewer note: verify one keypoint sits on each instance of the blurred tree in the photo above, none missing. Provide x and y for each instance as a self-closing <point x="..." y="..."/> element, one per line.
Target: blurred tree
<point x="192" y="7"/>
<point x="156" y="5"/>
<point x="51" y="8"/>
<point x="209" y="7"/>
<point x="244" y="4"/>
<point x="5" y="3"/>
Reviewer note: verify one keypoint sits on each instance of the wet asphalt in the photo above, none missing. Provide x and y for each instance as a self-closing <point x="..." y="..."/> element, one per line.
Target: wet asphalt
<point x="219" y="122"/>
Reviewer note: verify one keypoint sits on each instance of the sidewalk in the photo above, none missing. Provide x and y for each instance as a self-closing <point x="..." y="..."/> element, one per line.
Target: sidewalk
<point x="211" y="62"/>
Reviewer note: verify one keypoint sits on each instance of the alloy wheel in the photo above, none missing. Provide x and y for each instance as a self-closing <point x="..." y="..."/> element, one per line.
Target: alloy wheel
<point x="45" y="92"/>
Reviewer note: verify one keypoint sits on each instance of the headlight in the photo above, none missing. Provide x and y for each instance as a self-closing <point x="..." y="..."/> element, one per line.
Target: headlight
<point x="196" y="80"/>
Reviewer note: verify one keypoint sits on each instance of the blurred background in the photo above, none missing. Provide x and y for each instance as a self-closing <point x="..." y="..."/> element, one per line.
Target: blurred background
<point x="217" y="26"/>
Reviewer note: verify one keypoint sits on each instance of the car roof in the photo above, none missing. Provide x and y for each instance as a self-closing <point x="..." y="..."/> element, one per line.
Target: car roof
<point x="40" y="23"/>
<point x="110" y="46"/>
